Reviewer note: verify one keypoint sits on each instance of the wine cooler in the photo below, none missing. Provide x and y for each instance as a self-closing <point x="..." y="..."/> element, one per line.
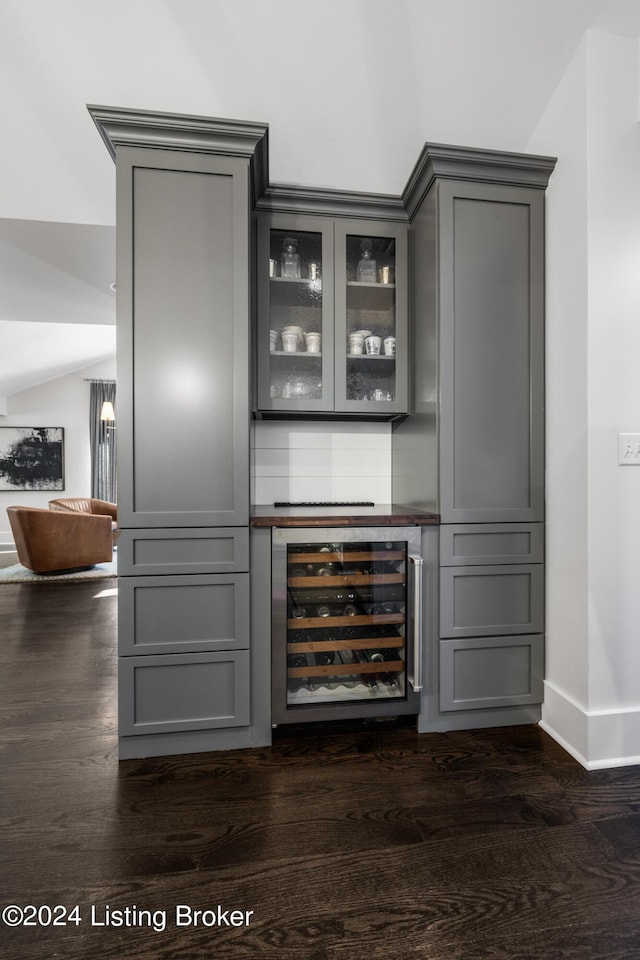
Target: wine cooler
<point x="347" y="622"/>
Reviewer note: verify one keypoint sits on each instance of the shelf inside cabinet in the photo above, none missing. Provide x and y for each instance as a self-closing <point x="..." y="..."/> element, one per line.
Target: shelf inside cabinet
<point x="296" y="354"/>
<point x="306" y="281"/>
<point x="370" y="356"/>
<point x="371" y="284"/>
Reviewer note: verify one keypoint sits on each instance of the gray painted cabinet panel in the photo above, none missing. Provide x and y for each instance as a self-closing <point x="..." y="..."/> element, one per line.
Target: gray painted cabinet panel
<point x="167" y="694"/>
<point x="491" y="353"/>
<point x="490" y="672"/>
<point x="180" y="614"/>
<point x="193" y="550"/>
<point x="479" y="543"/>
<point x="183" y="365"/>
<point x="486" y="600"/>
<point x="183" y="260"/>
<point x="473" y="447"/>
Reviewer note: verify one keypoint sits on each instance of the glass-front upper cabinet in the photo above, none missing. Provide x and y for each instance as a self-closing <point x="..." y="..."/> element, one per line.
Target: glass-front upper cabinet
<point x="295" y="309"/>
<point x="332" y="316"/>
<point x="371" y="317"/>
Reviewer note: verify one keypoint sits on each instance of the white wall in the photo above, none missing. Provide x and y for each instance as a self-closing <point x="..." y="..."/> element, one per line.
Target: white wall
<point x="592" y="689"/>
<point x="59" y="403"/>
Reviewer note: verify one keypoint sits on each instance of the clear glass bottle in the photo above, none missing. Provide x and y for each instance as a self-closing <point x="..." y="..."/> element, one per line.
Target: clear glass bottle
<point x="367" y="267"/>
<point x="290" y="260"/>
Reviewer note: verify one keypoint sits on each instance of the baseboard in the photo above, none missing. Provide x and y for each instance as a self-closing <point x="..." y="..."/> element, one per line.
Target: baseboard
<point x="597" y="739"/>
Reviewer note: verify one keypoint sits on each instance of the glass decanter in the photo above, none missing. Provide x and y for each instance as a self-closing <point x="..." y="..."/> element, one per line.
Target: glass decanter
<point x="290" y="261"/>
<point x="367" y="268"/>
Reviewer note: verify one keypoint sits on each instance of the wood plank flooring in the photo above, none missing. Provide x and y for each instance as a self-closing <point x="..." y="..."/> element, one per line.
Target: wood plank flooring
<point x="369" y="843"/>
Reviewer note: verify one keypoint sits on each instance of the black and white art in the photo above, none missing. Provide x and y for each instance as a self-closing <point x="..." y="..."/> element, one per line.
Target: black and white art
<point x="31" y="458"/>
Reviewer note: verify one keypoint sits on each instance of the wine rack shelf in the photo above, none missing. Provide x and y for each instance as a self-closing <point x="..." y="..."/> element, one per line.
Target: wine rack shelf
<point x="345" y="580"/>
<point x="351" y="556"/>
<point x="306" y="623"/>
<point x="346" y="669"/>
<point x="368" y="643"/>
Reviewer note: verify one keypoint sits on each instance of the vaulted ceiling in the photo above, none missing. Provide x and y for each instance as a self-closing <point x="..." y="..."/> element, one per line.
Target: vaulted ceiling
<point x="350" y="89"/>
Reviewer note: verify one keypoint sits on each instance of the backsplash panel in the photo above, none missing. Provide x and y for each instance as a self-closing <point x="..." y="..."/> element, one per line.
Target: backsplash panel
<point x="320" y="461"/>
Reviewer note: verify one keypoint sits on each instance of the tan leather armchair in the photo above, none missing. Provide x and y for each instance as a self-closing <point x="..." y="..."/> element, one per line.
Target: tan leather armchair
<point x="49" y="540"/>
<point x="85" y="505"/>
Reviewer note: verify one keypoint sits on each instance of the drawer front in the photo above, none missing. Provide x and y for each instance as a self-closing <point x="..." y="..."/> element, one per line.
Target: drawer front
<point x="167" y="694"/>
<point x="488" y="672"/>
<point x="206" y="550"/>
<point x="490" y="600"/>
<point x="183" y="614"/>
<point x="463" y="544"/>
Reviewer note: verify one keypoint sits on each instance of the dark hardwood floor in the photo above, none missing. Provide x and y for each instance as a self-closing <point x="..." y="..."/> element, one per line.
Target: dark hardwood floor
<point x="365" y="844"/>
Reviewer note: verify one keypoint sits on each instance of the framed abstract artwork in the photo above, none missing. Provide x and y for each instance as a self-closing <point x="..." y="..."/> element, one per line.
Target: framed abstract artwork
<point x="31" y="458"/>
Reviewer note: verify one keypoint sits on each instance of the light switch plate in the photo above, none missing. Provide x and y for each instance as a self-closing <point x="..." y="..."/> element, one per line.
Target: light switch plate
<point x="629" y="449"/>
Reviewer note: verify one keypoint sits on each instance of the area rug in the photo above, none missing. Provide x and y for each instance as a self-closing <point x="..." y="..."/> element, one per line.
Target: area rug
<point x="19" y="574"/>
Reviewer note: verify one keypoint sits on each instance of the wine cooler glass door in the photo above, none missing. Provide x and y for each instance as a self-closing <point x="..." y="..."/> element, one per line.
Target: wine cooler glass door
<point x="346" y="618"/>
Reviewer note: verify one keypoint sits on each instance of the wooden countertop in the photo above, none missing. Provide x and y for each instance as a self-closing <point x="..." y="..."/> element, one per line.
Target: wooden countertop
<point x="380" y="515"/>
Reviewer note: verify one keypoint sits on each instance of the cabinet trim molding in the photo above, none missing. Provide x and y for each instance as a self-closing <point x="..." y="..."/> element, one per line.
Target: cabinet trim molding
<point x="446" y="162"/>
<point x="125" y="127"/>
<point x="320" y="201"/>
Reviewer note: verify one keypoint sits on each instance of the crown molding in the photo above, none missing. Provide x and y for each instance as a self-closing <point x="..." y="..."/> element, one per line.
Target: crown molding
<point x="281" y="198"/>
<point x="442" y="161"/>
<point x="125" y="127"/>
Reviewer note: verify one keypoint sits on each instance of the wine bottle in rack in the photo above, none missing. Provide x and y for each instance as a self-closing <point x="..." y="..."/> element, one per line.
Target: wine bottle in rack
<point x="324" y="657"/>
<point x="392" y="679"/>
<point x="368" y="679"/>
<point x="349" y="680"/>
<point x="297" y="660"/>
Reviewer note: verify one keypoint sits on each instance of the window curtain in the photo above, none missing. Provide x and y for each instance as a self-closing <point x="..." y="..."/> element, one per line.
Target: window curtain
<point x="102" y="438"/>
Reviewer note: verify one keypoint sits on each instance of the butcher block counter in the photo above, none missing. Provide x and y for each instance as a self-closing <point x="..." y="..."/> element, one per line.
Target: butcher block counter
<point x="340" y="515"/>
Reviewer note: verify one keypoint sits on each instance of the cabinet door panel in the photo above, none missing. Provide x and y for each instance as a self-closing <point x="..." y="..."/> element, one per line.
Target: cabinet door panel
<point x="463" y="544"/>
<point x="487" y="600"/>
<point x="295" y="368"/>
<point x="491" y="299"/>
<point x="188" y="692"/>
<point x="173" y="614"/>
<point x="183" y="425"/>
<point x="204" y="550"/>
<point x="371" y="295"/>
<point x="488" y="672"/>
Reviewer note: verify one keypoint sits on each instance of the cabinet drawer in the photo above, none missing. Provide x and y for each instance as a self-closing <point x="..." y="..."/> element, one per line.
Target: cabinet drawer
<point x="488" y="672"/>
<point x="183" y="614"/>
<point x="166" y="694"/>
<point x="204" y="550"/>
<point x="489" y="600"/>
<point x="493" y="543"/>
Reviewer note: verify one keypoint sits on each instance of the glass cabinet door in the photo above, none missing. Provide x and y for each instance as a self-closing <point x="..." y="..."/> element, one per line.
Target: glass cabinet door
<point x="295" y="290"/>
<point x="371" y="317"/>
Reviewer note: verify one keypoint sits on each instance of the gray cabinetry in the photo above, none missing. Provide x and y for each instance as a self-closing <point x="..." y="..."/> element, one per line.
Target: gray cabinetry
<point x="183" y="232"/>
<point x="473" y="448"/>
<point x="490" y="281"/>
<point x="322" y="282"/>
<point x="183" y="288"/>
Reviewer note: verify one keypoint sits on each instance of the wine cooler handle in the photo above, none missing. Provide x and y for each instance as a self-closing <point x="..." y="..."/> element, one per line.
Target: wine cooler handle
<point x="416" y="680"/>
